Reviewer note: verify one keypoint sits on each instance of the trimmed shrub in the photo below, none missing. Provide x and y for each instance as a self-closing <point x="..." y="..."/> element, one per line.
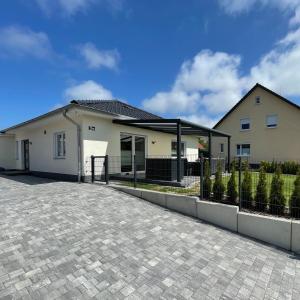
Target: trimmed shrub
<point x="232" y="186"/>
<point x="261" y="196"/>
<point x="206" y="181"/>
<point x="277" y="199"/>
<point x="295" y="199"/>
<point x="246" y="197"/>
<point x="287" y="167"/>
<point x="218" y="187"/>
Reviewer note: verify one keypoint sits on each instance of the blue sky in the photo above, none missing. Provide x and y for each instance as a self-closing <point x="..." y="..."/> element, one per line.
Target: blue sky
<point x="191" y="59"/>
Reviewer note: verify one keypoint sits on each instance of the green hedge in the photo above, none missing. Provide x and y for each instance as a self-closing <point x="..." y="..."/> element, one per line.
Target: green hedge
<point x="287" y="167"/>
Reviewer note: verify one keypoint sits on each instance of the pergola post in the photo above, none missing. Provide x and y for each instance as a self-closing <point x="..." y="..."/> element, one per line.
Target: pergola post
<point x="209" y="147"/>
<point x="178" y="151"/>
<point x="228" y="154"/>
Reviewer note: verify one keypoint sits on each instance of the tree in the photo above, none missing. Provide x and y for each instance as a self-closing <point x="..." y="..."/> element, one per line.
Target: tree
<point x="295" y="199"/>
<point x="232" y="187"/>
<point x="204" y="143"/>
<point x="246" y="196"/>
<point x="277" y="199"/>
<point x="261" y="196"/>
<point x="206" y="181"/>
<point x="218" y="187"/>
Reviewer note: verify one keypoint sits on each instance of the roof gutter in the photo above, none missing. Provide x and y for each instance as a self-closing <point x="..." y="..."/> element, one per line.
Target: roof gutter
<point x="78" y="142"/>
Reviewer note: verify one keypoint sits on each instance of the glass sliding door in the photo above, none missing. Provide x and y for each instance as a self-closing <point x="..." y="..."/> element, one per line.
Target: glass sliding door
<point x="132" y="145"/>
<point x="140" y="153"/>
<point x="126" y="152"/>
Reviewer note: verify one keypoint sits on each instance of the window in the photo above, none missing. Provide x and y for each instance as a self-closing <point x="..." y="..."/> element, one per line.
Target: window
<point x="243" y="149"/>
<point x="60" y="144"/>
<point x="257" y="99"/>
<point x="222" y="148"/>
<point x="245" y="124"/>
<point x="271" y="121"/>
<point x="17" y="150"/>
<point x="174" y="148"/>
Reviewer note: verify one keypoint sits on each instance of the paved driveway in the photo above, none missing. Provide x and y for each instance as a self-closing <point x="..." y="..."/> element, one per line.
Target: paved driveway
<point x="64" y="240"/>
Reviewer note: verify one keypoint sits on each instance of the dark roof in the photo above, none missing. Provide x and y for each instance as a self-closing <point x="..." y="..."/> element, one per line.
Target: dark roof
<point x="244" y="98"/>
<point x="116" y="107"/>
<point x="171" y="126"/>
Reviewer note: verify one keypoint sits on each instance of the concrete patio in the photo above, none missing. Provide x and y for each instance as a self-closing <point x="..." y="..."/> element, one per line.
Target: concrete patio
<point x="63" y="240"/>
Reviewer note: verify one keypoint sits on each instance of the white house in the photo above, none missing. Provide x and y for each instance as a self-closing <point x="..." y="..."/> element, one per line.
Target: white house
<point x="60" y="144"/>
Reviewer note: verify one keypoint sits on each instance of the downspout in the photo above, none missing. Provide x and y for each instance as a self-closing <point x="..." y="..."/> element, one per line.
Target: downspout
<point x="78" y="142"/>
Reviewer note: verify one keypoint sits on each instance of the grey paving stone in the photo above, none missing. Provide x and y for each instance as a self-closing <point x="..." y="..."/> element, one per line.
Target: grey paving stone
<point x="62" y="240"/>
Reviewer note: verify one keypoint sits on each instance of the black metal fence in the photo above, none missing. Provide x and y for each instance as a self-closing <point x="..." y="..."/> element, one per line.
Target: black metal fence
<point x="252" y="189"/>
<point x="255" y="190"/>
<point x="159" y="171"/>
<point x="100" y="168"/>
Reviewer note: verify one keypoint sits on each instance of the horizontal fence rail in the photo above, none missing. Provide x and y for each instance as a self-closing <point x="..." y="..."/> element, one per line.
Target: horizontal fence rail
<point x="270" y="188"/>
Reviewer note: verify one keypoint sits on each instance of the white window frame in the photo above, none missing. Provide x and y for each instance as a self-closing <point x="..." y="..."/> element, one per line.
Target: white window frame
<point x="242" y="122"/>
<point x="56" y="154"/>
<point x="273" y="125"/>
<point x="184" y="148"/>
<point x="17" y="150"/>
<point x="239" y="148"/>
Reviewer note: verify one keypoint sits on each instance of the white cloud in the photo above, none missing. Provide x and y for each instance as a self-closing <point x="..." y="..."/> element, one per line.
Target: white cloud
<point x="238" y="6"/>
<point x="97" y="59"/>
<point x="20" y="41"/>
<point x="210" y="84"/>
<point x="295" y="20"/>
<point x="90" y="90"/>
<point x="292" y="7"/>
<point x="72" y="7"/>
<point x="199" y="87"/>
<point x="201" y="119"/>
<point x="66" y="7"/>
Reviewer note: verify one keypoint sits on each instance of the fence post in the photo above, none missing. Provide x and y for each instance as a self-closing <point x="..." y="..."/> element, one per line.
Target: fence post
<point x="201" y="175"/>
<point x="240" y="182"/>
<point x="134" y="171"/>
<point x="93" y="168"/>
<point x="106" y="169"/>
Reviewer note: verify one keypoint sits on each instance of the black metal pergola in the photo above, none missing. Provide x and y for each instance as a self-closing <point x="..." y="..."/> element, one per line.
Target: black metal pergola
<point x="178" y="127"/>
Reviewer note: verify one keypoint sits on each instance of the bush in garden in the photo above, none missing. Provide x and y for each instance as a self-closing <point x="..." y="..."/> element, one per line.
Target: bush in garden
<point x="232" y="187"/>
<point x="218" y="187"/>
<point x="206" y="181"/>
<point x="246" y="196"/>
<point x="287" y="167"/>
<point x="295" y="199"/>
<point x="261" y="196"/>
<point x="290" y="167"/>
<point x="277" y="199"/>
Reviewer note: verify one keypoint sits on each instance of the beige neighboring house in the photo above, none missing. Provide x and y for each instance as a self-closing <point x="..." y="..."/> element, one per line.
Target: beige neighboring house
<point x="60" y="143"/>
<point x="263" y="126"/>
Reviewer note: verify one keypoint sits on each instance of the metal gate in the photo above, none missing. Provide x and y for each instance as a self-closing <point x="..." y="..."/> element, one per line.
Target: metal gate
<point x="99" y="165"/>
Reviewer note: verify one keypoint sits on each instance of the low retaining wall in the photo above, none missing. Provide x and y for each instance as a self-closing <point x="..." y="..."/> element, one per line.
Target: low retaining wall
<point x="223" y="215"/>
<point x="295" y="240"/>
<point x="182" y="204"/>
<point x="276" y="231"/>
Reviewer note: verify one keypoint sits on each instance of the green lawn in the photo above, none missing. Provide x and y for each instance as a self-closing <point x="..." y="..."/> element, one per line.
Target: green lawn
<point x="287" y="179"/>
<point x="195" y="189"/>
<point x="190" y="191"/>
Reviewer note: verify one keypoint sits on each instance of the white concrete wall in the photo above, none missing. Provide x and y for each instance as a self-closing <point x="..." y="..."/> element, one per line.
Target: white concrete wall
<point x="275" y="231"/>
<point x="41" y="147"/>
<point x="106" y="140"/>
<point x="223" y="215"/>
<point x="7" y="152"/>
